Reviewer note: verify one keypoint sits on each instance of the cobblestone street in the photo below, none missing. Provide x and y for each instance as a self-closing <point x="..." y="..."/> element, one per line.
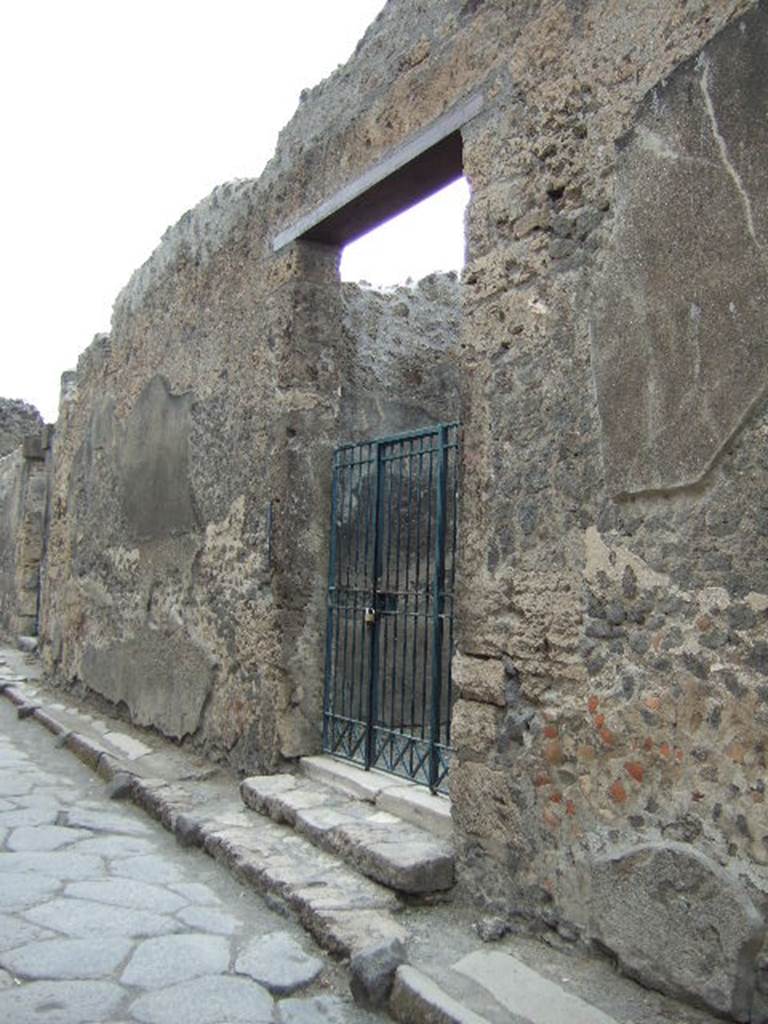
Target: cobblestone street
<point x="104" y="918"/>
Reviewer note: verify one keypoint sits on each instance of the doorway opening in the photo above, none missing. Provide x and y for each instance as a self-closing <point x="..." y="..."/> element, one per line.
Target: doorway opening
<point x="389" y="637"/>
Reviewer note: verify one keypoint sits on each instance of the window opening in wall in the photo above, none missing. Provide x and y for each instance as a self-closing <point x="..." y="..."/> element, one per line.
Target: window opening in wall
<point x="424" y="239"/>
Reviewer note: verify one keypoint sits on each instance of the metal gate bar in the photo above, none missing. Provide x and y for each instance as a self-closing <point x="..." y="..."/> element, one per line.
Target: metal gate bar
<point x="389" y="636"/>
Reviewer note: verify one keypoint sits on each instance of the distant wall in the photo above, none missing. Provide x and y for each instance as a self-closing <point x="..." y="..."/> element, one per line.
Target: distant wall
<point x="23" y="497"/>
<point x="17" y="419"/>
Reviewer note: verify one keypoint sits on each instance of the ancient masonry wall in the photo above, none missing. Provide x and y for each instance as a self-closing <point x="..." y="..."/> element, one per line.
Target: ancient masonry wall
<point x="24" y="443"/>
<point x="188" y="539"/>
<point x="613" y="609"/>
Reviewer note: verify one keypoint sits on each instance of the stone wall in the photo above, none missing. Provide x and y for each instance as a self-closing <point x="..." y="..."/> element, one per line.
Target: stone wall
<point x="17" y="419"/>
<point x="608" y="782"/>
<point x="188" y="540"/>
<point x="23" y="497"/>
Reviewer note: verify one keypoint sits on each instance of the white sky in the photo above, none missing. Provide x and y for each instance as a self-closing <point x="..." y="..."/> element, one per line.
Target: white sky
<point x="119" y="116"/>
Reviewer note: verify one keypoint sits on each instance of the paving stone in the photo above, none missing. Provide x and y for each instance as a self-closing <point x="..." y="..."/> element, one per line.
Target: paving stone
<point x="15" y="931"/>
<point x="83" y="918"/>
<point x="153" y="868"/>
<point x="196" y="892"/>
<point x="209" y="920"/>
<point x="60" y="1002"/>
<point x="19" y="891"/>
<point x="206" y="1001"/>
<point x="320" y="1010"/>
<point x="44" y="837"/>
<point x="279" y="963"/>
<point x="59" y="959"/>
<point x="126" y="892"/>
<point x="103" y="821"/>
<point x="30" y="816"/>
<point x="170" y="959"/>
<point x="66" y="865"/>
<point x="116" y="846"/>
<point x="15" y="785"/>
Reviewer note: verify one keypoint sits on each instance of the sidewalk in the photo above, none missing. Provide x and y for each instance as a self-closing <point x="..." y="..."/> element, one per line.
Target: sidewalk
<point x="450" y="977"/>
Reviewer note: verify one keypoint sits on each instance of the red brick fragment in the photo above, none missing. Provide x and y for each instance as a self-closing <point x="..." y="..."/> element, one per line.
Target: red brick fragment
<point x="635" y="770"/>
<point x="592" y="704"/>
<point x="617" y="791"/>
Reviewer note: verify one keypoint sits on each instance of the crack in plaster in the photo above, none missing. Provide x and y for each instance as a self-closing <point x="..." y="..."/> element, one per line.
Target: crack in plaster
<point x="727" y="163"/>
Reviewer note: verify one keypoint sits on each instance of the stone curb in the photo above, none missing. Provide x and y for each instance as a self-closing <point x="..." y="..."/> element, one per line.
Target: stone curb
<point x="416" y="998"/>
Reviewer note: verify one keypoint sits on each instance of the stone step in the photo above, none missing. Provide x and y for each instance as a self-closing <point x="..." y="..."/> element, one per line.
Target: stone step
<point x="400" y="797"/>
<point x="381" y="845"/>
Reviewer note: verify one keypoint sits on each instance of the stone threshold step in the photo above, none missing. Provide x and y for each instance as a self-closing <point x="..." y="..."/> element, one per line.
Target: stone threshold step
<point x="398" y="796"/>
<point x="378" y="844"/>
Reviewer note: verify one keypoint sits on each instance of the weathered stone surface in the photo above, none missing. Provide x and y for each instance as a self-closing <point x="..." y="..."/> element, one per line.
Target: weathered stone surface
<point x="480" y="679"/>
<point x="18" y="891"/>
<point x="328" y="1009"/>
<point x="44" y="837"/>
<point x="383" y="847"/>
<point x="81" y="918"/>
<point x="66" y="865"/>
<point x="526" y="993"/>
<point x="667" y="313"/>
<point x="346" y="932"/>
<point x="397" y="855"/>
<point x="15" y="932"/>
<point x="415" y="997"/>
<point x="129" y="672"/>
<point x="206" y="1001"/>
<point x="60" y="959"/>
<point x="61" y="1002"/>
<point x="170" y="959"/>
<point x="278" y="963"/>
<point x="372" y="973"/>
<point x="17" y="420"/>
<point x="677" y="921"/>
<point x="124" y="892"/>
<point x="209" y="920"/>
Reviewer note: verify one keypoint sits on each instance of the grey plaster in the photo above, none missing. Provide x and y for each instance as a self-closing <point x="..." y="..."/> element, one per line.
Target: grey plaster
<point x="690" y="201"/>
<point x="163" y="680"/>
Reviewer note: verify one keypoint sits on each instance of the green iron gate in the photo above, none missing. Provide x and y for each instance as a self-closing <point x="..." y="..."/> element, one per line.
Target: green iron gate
<point x="389" y="635"/>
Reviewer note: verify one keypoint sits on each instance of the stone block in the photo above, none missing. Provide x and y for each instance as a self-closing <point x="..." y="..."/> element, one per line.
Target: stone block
<point x="372" y="972"/>
<point x="479" y="679"/>
<point x="474" y="729"/>
<point x="679" y="923"/>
